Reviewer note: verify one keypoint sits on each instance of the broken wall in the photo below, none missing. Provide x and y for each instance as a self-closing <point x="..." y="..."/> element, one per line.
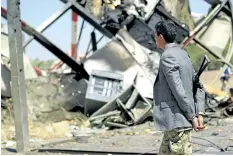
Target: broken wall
<point x="5" y="64"/>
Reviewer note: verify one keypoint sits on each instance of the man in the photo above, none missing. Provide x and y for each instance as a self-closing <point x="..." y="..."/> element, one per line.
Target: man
<point x="225" y="78"/>
<point x="175" y="112"/>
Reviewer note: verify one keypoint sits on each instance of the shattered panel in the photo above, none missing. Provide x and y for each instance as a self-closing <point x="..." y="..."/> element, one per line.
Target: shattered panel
<point x="115" y="58"/>
<point x="102" y="87"/>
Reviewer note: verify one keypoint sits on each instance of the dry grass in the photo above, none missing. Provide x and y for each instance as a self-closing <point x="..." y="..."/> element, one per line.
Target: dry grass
<point x="42" y="131"/>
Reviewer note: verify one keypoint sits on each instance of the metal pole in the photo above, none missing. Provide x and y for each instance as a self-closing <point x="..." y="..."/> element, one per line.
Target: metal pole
<point x="73" y="52"/>
<point x="224" y="9"/>
<point x="17" y="76"/>
<point x="95" y="22"/>
<point x="79" y="38"/>
<point x="200" y="26"/>
<point x="212" y="52"/>
<point x="96" y="43"/>
<point x="230" y="50"/>
<point x="89" y="44"/>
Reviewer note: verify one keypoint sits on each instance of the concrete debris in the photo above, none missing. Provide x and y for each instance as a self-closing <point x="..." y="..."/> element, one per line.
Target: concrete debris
<point x="5" y="67"/>
<point x="127" y="109"/>
<point x="8" y="143"/>
<point x="86" y="132"/>
<point x="73" y="90"/>
<point x="141" y="9"/>
<point x="218" y="106"/>
<point x="49" y="102"/>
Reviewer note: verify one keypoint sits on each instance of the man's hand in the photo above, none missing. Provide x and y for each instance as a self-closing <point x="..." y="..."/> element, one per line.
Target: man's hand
<point x="195" y="123"/>
<point x="200" y="122"/>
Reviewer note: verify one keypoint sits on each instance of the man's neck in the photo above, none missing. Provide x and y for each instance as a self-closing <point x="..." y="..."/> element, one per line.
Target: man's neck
<point x="169" y="45"/>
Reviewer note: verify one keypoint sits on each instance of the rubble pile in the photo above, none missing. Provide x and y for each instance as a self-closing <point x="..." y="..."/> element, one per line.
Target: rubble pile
<point x="56" y="107"/>
<point x="47" y="100"/>
<point x="219" y="106"/>
<point x="127" y="109"/>
<point x="47" y="110"/>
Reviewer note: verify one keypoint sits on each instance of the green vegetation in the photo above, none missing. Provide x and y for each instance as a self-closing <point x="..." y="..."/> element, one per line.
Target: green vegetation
<point x="42" y="64"/>
<point x="197" y="54"/>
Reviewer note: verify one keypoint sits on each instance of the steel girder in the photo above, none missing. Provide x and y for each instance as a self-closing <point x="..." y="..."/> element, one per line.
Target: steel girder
<point x="78" y="68"/>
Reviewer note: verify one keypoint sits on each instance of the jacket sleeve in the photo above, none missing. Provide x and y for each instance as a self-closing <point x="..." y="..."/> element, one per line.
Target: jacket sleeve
<point x="200" y="101"/>
<point x="170" y="68"/>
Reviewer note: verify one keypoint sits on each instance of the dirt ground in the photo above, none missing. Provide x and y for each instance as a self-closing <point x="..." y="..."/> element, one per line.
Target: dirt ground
<point x="143" y="139"/>
<point x="212" y="84"/>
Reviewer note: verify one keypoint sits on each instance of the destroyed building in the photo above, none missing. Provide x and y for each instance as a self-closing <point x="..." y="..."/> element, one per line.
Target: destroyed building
<point x="112" y="87"/>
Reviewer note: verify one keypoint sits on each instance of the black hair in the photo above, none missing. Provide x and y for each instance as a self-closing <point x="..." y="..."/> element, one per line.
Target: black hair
<point x="167" y="29"/>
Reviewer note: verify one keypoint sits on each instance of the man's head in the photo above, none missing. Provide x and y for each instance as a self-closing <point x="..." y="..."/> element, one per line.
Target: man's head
<point x="165" y="33"/>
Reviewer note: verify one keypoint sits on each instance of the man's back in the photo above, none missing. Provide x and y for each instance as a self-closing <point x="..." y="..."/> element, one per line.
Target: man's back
<point x="174" y="109"/>
<point x="173" y="90"/>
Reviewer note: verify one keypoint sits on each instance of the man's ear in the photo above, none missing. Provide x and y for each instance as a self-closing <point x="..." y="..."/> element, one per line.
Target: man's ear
<point x="161" y="37"/>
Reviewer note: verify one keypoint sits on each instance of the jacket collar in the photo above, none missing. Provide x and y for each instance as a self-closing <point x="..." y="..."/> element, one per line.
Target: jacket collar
<point x="171" y="45"/>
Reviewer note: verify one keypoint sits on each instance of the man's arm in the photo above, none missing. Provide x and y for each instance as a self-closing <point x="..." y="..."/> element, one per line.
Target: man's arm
<point x="200" y="101"/>
<point x="170" y="68"/>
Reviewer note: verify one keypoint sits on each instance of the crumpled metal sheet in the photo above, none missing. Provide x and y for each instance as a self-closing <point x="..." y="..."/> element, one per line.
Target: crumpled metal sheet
<point x="129" y="60"/>
<point x="123" y="111"/>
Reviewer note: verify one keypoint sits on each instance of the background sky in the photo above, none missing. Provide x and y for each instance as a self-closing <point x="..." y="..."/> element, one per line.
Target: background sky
<point x="34" y="12"/>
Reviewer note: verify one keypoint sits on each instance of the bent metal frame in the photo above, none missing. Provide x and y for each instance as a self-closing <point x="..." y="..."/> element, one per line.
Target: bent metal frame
<point x="15" y="25"/>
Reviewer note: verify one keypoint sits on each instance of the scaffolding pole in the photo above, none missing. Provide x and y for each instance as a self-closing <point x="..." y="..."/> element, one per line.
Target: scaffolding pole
<point x="17" y="76"/>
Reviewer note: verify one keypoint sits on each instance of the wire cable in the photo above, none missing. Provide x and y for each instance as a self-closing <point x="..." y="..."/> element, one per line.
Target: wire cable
<point x="221" y="149"/>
